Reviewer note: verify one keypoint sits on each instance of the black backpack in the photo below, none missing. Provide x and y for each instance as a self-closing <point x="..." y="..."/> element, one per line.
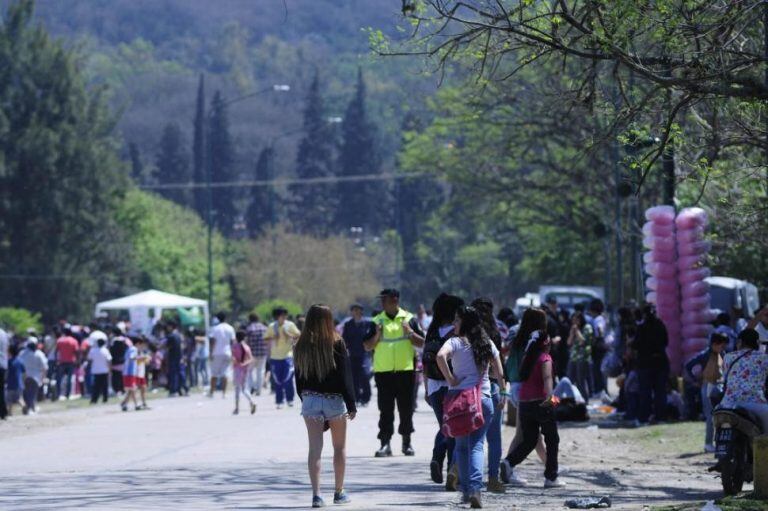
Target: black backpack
<point x="429" y="356"/>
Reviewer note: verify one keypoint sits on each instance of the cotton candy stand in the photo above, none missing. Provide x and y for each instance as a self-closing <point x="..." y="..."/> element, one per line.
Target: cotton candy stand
<point x="692" y="249"/>
<point x="661" y="266"/>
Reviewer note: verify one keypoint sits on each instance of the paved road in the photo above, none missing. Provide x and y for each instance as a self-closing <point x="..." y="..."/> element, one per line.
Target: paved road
<point x="191" y="453"/>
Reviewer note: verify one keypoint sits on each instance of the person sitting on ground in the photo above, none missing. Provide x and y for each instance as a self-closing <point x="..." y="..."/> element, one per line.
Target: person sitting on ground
<point x="746" y="370"/>
<point x="324" y="384"/>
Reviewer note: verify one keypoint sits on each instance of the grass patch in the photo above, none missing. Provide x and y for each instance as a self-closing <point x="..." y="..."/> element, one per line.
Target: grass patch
<point x="666" y="439"/>
<point x="743" y="502"/>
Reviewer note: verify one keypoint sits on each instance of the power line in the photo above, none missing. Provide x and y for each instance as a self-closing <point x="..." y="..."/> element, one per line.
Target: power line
<point x="293" y="182"/>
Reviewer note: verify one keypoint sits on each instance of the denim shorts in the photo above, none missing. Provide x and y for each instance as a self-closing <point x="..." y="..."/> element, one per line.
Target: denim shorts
<point x="322" y="406"/>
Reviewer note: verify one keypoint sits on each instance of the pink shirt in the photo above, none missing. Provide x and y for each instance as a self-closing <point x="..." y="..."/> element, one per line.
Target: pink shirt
<point x="532" y="389"/>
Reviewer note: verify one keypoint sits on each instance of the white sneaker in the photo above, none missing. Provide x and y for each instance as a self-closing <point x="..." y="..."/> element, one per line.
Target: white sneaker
<point x="515" y="479"/>
<point x="709" y="448"/>
<point x="563" y="469"/>
<point x="553" y="483"/>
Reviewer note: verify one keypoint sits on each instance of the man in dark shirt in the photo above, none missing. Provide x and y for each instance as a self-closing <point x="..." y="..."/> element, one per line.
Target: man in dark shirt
<point x="356" y="330"/>
<point x="173" y="350"/>
<point x="652" y="365"/>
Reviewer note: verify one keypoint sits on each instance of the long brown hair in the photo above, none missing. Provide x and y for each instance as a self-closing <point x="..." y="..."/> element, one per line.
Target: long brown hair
<point x="313" y="353"/>
<point x="533" y="319"/>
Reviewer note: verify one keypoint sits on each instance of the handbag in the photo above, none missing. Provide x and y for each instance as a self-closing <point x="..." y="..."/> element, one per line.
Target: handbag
<point x="462" y="412"/>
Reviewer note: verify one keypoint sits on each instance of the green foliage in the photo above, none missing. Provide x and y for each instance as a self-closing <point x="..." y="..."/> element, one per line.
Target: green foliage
<point x="313" y="207"/>
<point x="61" y="177"/>
<point x="221" y="158"/>
<point x="20" y="320"/>
<point x="173" y="165"/>
<point x="168" y="248"/>
<point x="265" y="308"/>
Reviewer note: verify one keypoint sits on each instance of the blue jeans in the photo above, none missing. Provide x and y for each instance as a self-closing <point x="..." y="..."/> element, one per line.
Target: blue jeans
<point x="444" y="445"/>
<point x="201" y="368"/>
<point x="64" y="373"/>
<point x="470" y="454"/>
<point x="706" y="406"/>
<point x="174" y="377"/>
<point x="493" y="436"/>
<point x="282" y="379"/>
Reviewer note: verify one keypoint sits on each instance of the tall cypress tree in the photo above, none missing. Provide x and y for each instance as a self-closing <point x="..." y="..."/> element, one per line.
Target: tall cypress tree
<point x="173" y="165"/>
<point x="198" y="151"/>
<point x="313" y="207"/>
<point x="221" y="159"/>
<point x="362" y="203"/>
<point x="260" y="211"/>
<point x="137" y="166"/>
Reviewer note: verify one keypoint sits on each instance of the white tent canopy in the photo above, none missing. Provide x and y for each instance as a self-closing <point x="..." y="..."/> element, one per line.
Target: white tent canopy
<point x="139" y="306"/>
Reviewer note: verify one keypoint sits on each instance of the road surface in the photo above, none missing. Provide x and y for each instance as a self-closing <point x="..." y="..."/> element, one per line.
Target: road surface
<point x="191" y="453"/>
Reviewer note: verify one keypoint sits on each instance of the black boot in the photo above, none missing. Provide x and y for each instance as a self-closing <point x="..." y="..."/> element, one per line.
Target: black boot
<point x="407" y="449"/>
<point x="384" y="451"/>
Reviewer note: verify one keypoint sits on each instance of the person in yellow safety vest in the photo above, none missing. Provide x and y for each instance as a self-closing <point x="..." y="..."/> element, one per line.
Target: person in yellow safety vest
<point x="397" y="334"/>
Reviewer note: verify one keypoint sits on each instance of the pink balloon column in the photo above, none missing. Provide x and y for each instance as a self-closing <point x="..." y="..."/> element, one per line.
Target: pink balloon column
<point x="692" y="253"/>
<point x="660" y="265"/>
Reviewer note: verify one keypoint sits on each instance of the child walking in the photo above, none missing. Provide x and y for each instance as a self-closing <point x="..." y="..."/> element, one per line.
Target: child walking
<point x="324" y="385"/>
<point x="241" y="362"/>
<point x="537" y="408"/>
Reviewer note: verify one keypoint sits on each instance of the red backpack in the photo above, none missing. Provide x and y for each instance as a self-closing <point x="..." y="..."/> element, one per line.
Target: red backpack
<point x="463" y="412"/>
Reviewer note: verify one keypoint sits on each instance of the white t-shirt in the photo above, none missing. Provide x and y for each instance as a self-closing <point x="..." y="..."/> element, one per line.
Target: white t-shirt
<point x="464" y="367"/>
<point x="100" y="359"/>
<point x="223" y="334"/>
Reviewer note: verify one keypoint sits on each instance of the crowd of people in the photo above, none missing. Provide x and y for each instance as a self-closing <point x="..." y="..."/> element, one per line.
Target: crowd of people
<point x="473" y="364"/>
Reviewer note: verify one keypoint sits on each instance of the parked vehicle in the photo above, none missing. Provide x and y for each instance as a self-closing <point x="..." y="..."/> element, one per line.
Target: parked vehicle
<point x="527" y="301"/>
<point x="568" y="297"/>
<point x="734" y="431"/>
<point x="727" y="293"/>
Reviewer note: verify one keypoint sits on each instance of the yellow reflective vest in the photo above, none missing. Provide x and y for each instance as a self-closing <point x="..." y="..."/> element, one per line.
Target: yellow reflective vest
<point x="394" y="352"/>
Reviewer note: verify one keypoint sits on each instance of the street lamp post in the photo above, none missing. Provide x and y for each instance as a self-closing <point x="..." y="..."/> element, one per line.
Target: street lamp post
<point x="209" y="179"/>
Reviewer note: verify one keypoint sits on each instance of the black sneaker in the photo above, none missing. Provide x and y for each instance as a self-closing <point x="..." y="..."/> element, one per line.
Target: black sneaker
<point x="408" y="450"/>
<point x="384" y="451"/>
<point x="317" y="501"/>
<point x="436" y="471"/>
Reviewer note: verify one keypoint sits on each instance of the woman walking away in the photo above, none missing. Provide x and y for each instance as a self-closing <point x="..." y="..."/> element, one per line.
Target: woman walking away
<point x="499" y="396"/>
<point x="537" y="408"/>
<point x="241" y="361"/>
<point x="324" y="384"/>
<point x="472" y="354"/>
<point x="533" y="319"/>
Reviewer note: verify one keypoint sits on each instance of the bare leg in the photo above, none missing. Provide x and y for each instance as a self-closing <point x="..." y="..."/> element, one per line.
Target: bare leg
<point x="541" y="450"/>
<point x="315" y="435"/>
<point x="223" y="386"/>
<point x="339" y="439"/>
<point x="143" y="392"/>
<point x="214" y="380"/>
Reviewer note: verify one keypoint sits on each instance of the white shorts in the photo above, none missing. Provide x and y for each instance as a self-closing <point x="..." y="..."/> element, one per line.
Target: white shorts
<point x="220" y="365"/>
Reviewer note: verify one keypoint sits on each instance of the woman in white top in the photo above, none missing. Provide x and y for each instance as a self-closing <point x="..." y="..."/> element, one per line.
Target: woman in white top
<point x="472" y="354"/>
